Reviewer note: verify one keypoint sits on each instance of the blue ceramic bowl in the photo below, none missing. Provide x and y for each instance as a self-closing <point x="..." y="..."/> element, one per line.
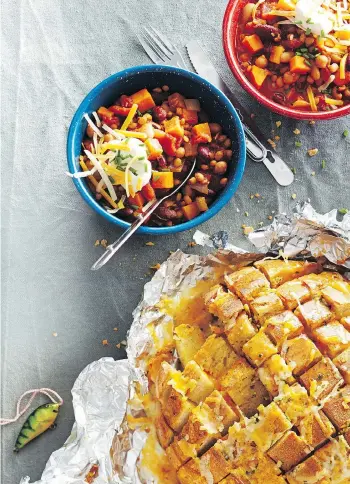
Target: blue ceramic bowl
<point x="213" y="101"/>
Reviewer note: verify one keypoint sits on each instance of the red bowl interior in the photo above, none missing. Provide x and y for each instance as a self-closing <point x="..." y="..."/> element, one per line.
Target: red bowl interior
<point x="230" y="25"/>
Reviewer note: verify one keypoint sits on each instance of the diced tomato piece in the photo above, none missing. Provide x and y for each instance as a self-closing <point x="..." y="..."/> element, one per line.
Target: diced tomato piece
<point x="148" y="192"/>
<point x="126" y="101"/>
<point x="168" y="143"/>
<point x="190" y="116"/>
<point x="111" y="121"/>
<point x="138" y="200"/>
<point x="325" y="73"/>
<point x="293" y="95"/>
<point x="120" y="110"/>
<point x="176" y="100"/>
<point x="341" y="82"/>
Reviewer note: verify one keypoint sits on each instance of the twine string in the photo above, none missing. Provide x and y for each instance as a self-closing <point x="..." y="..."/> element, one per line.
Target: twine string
<point x="51" y="394"/>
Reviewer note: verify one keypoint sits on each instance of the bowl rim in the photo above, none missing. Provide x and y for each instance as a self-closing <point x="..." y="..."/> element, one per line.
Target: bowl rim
<point x="232" y="60"/>
<point x="217" y="205"/>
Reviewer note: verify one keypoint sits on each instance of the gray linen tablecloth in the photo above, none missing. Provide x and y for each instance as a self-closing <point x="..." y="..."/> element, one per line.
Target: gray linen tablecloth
<point x="55" y="311"/>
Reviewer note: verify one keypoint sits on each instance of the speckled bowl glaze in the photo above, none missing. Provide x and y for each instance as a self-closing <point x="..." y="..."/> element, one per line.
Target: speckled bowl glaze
<point x="229" y="31"/>
<point x="213" y="101"/>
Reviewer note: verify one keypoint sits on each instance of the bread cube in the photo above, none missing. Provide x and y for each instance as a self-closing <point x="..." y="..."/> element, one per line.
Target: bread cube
<point x="266" y="305"/>
<point x="274" y="371"/>
<point x="225" y="305"/>
<point x="306" y="472"/>
<point x="283" y="326"/>
<point x="259" y="470"/>
<point x="290" y="450"/>
<point x="315" y="428"/>
<point x="315" y="282"/>
<point x="162" y="387"/>
<point x="269" y="427"/>
<point x="244" y="387"/>
<point x="313" y="314"/>
<point x="346" y="322"/>
<point x="203" y="385"/>
<point x="280" y="271"/>
<point x="347" y="436"/>
<point x="332" y="338"/>
<point x="180" y="452"/>
<point x="338" y="299"/>
<point x="224" y="413"/>
<point x="335" y="457"/>
<point x="191" y="473"/>
<point x="188" y="340"/>
<point x="293" y="292"/>
<point x="295" y="402"/>
<point x="240" y="332"/>
<point x="247" y="283"/>
<point x="259" y="348"/>
<point x="301" y="353"/>
<point x="321" y="379"/>
<point x="342" y="362"/>
<point x="217" y="462"/>
<point x="164" y="433"/>
<point x="337" y="408"/>
<point x="176" y="410"/>
<point x="216" y="356"/>
<point x="155" y="362"/>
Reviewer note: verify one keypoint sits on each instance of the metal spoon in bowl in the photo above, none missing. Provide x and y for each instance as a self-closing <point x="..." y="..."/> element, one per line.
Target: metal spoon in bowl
<point x="113" y="248"/>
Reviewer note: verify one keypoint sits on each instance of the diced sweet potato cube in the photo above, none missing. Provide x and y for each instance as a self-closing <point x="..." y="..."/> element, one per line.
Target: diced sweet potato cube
<point x="293" y="292"/>
<point x="337" y="408"/>
<point x="154" y="148"/>
<point x="191" y="473"/>
<point x="274" y="371"/>
<point x="143" y="99"/>
<point x="162" y="179"/>
<point x="188" y="340"/>
<point x="306" y="472"/>
<point x="271" y="426"/>
<point x="300" y="352"/>
<point x="252" y="43"/>
<point x="203" y="385"/>
<point x="266" y="305"/>
<point x="257" y="75"/>
<point x="313" y="314"/>
<point x="338" y="300"/>
<point x="276" y="52"/>
<point x="216" y="356"/>
<point x="290" y="450"/>
<point x="240" y="332"/>
<point x="283" y="326"/>
<point x="247" y="283"/>
<point x="164" y="433"/>
<point x="279" y="271"/>
<point x="225" y="305"/>
<point x="176" y="410"/>
<point x="202" y="204"/>
<point x="321" y="379"/>
<point x="191" y="210"/>
<point x="201" y="133"/>
<point x="190" y="116"/>
<point x="332" y="338"/>
<point x="174" y="127"/>
<point x="244" y="387"/>
<point x="299" y="65"/>
<point x="315" y="428"/>
<point x="342" y="362"/>
<point x="259" y="348"/>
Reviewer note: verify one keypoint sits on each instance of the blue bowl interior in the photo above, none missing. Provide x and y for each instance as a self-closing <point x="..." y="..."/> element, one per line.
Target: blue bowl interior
<point x="213" y="102"/>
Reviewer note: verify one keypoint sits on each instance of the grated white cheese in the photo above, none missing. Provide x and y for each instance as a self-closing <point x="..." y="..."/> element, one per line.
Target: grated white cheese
<point x="324" y="86"/>
<point x="97" y="119"/>
<point x="103" y="174"/>
<point x="92" y="125"/>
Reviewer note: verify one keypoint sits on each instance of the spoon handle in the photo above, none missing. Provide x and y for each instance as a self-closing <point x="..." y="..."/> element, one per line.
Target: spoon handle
<point x="113" y="248"/>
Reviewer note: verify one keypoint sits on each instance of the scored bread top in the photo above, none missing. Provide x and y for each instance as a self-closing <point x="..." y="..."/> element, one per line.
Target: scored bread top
<point x="263" y="392"/>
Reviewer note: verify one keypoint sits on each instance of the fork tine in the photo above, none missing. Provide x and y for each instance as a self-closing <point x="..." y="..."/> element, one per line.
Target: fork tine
<point x="150" y="51"/>
<point x="156" y="44"/>
<point x="165" y="41"/>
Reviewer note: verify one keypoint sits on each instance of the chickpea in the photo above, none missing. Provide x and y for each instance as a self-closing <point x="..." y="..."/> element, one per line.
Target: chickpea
<point x="114" y="126"/>
<point x="182" y="121"/>
<point x="309" y="41"/>
<point x="321" y="61"/>
<point x="279" y="82"/>
<point x="315" y="73"/>
<point x="244" y="57"/>
<point x="186" y="139"/>
<point x="247" y="12"/>
<point x="179" y="214"/>
<point x="228" y="154"/>
<point x="341" y="88"/>
<point x="273" y="85"/>
<point x="284" y="70"/>
<point x="180" y="152"/>
<point x="302" y="37"/>
<point x="204" y="167"/>
<point x="133" y="126"/>
<point x="192" y="180"/>
<point x="178" y="196"/>
<point x="223" y="181"/>
<point x="170" y="159"/>
<point x="227" y="143"/>
<point x="148" y="116"/>
<point x="222" y="138"/>
<point x="108" y="137"/>
<point x="212" y="163"/>
<point x="288" y="78"/>
<point x="286" y="57"/>
<point x="199" y="177"/>
<point x="219" y="155"/>
<point x="187" y="199"/>
<point x="274" y="78"/>
<point x="157" y="89"/>
<point x="89" y="131"/>
<point x="335" y="58"/>
<point x="177" y="181"/>
<point x="333" y="68"/>
<point x="169" y="223"/>
<point x="220" y="167"/>
<point x="165" y="88"/>
<point x="179" y="111"/>
<point x="142" y="120"/>
<point x="177" y="162"/>
<point x="347" y="93"/>
<point x="215" y="128"/>
<point x="188" y="190"/>
<point x="336" y="94"/>
<point x="211" y="155"/>
<point x="310" y="80"/>
<point x="261" y="62"/>
<point x="169" y="114"/>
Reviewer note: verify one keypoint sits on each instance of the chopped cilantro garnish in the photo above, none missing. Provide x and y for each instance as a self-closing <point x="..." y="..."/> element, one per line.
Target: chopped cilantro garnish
<point x="298" y="144"/>
<point x="303" y="49"/>
<point x="346" y="133"/>
<point x="309" y="21"/>
<point x="323" y="164"/>
<point x="343" y="211"/>
<point x="299" y="22"/>
<point x="138" y="113"/>
<point x="322" y="33"/>
<point x="308" y="63"/>
<point x="133" y="171"/>
<point x="140" y="157"/>
<point x="308" y="31"/>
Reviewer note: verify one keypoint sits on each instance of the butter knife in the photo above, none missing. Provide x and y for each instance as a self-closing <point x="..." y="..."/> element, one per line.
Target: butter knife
<point x="258" y="150"/>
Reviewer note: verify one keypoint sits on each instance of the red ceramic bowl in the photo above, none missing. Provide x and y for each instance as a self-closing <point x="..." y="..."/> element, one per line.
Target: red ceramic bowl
<point x="230" y="24"/>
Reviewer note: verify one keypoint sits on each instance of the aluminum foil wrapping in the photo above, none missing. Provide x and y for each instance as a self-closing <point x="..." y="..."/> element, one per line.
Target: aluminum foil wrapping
<point x="103" y="391"/>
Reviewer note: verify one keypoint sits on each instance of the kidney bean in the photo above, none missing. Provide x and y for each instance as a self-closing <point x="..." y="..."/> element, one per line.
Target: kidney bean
<point x="204" y="152"/>
<point x="292" y="43"/>
<point x="159" y="113"/>
<point x="126" y="101"/>
<point x="167" y="213"/>
<point x="279" y="98"/>
<point x="161" y="162"/>
<point x="268" y="32"/>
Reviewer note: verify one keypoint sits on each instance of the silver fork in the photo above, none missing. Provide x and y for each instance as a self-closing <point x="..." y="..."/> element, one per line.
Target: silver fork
<point x="159" y="49"/>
